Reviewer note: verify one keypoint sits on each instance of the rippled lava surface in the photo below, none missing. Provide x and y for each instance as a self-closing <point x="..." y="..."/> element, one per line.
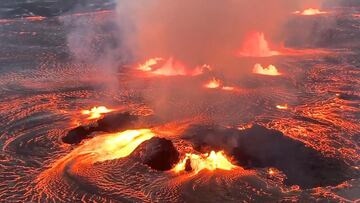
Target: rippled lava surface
<point x="42" y="90"/>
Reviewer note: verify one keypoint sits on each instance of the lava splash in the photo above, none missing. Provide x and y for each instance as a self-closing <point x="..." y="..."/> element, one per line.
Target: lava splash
<point x="310" y="12"/>
<point x="271" y="70"/>
<point x="212" y="161"/>
<point x="256" y="45"/>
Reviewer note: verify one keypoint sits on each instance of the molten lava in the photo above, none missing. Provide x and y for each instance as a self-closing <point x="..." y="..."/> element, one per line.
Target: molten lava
<point x="35" y="18"/>
<point x="217" y="84"/>
<point x="148" y="65"/>
<point x="114" y="146"/>
<point x="270" y="70"/>
<point x="310" y="12"/>
<point x="213" y="84"/>
<point x="170" y="67"/>
<point x="212" y="161"/>
<point x="96" y="112"/>
<point x="257" y="46"/>
<point x="282" y="107"/>
<point x="228" y="88"/>
<point x="271" y="171"/>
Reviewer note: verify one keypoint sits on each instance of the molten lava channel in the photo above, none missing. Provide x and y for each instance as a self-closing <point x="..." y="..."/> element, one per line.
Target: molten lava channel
<point x="113" y="146"/>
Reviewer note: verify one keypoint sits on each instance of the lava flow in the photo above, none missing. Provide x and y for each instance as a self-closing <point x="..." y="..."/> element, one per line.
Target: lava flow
<point x="112" y="146"/>
<point x="271" y="70"/>
<point x="96" y="112"/>
<point x="197" y="163"/>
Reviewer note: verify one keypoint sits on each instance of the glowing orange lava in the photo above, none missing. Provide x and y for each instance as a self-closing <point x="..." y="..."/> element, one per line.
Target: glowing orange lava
<point x="96" y="112"/>
<point x="35" y="18"/>
<point x="271" y="171"/>
<point x="282" y="107"/>
<point x="270" y="70"/>
<point x="213" y="84"/>
<point x="148" y="65"/>
<point x="217" y="84"/>
<point x="310" y="12"/>
<point x="110" y="146"/>
<point x="228" y="88"/>
<point x="171" y="67"/>
<point x="257" y="46"/>
<point x="117" y="145"/>
<point x="212" y="161"/>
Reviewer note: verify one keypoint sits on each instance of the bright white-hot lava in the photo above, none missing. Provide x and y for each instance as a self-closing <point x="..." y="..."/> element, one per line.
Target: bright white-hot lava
<point x="256" y="45"/>
<point x="310" y="12"/>
<point x="282" y="106"/>
<point x="213" y="84"/>
<point x="112" y="146"/>
<point x="212" y="161"/>
<point x="148" y="65"/>
<point x="270" y="70"/>
<point x="170" y="67"/>
<point x="217" y="84"/>
<point x="96" y="112"/>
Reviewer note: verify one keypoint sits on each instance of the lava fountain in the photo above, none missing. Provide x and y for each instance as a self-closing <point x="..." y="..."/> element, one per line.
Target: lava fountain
<point x="213" y="84"/>
<point x="310" y="12"/>
<point x="170" y="67"/>
<point x="217" y="84"/>
<point x="256" y="45"/>
<point x="212" y="161"/>
<point x="96" y="112"/>
<point x="148" y="65"/>
<point x="271" y="70"/>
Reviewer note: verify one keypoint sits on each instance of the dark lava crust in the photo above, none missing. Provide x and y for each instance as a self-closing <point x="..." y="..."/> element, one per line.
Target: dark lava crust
<point x="259" y="147"/>
<point x="110" y="123"/>
<point x="158" y="153"/>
